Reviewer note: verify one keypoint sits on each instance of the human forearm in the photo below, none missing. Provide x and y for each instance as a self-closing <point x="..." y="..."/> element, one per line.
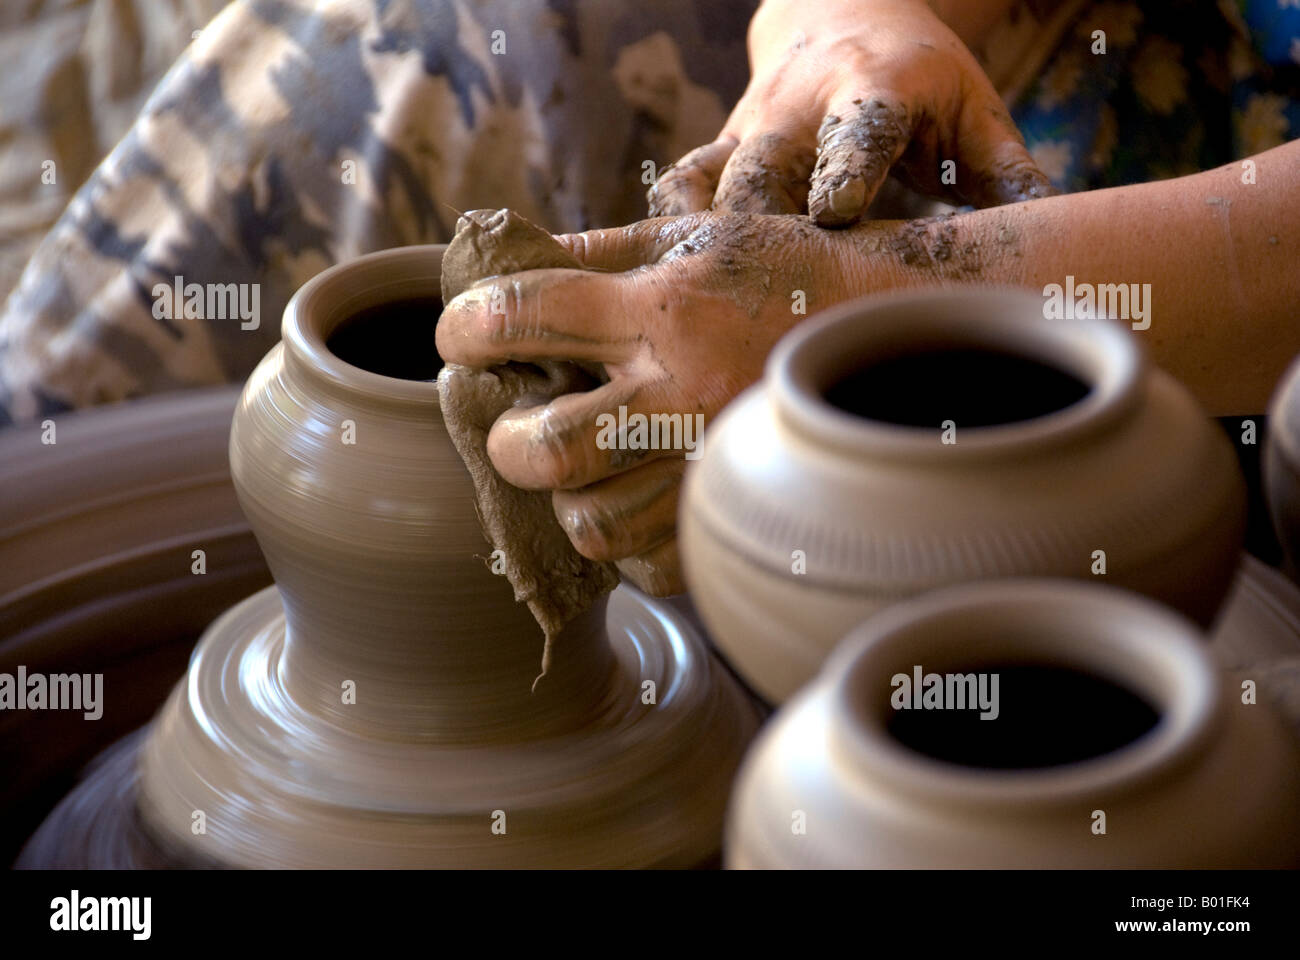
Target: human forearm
<point x="1219" y="255"/>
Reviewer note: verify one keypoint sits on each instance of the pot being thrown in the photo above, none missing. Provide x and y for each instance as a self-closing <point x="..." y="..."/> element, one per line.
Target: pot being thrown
<point x="1111" y="741"/>
<point x="904" y="442"/>
<point x="378" y="706"/>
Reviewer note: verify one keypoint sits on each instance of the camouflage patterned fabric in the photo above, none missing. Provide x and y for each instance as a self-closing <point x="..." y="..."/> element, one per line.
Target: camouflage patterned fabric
<point x="296" y="133"/>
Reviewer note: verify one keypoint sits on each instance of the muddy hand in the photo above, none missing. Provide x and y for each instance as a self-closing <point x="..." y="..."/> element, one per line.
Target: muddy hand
<point x="681" y="313"/>
<point x="838" y="98"/>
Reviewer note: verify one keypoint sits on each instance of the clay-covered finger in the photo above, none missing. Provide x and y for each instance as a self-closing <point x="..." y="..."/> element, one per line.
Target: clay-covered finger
<point x="658" y="571"/>
<point x="995" y="168"/>
<point x="857" y="145"/>
<point x="617" y="249"/>
<point x="537" y="315"/>
<point x="581" y="438"/>
<point x="626" y="515"/>
<point x="767" y="173"/>
<point x="688" y="185"/>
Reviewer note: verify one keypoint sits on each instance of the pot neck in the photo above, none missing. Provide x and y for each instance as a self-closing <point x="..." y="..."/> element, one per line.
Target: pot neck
<point x="1107" y="633"/>
<point x="343" y="291"/>
<point x="855" y="335"/>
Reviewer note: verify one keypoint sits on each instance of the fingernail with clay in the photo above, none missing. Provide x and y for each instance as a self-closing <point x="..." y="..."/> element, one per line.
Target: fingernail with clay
<point x="1043" y="188"/>
<point x="846" y="199"/>
<point x="1029" y="185"/>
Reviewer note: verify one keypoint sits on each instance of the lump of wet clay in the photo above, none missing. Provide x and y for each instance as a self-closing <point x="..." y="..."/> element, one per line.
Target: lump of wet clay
<point x="546" y="572"/>
<point x="489" y="243"/>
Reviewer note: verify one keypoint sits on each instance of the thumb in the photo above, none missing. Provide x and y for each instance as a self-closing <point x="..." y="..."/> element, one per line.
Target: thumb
<point x="617" y="249"/>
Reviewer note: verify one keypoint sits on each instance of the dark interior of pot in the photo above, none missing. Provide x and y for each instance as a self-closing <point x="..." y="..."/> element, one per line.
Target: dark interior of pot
<point x="393" y="339"/>
<point x="971" y="386"/>
<point x="1016" y="715"/>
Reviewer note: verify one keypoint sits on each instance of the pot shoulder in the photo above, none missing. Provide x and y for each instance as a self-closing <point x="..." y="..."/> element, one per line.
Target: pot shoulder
<point x="1155" y="484"/>
<point x="305" y="459"/>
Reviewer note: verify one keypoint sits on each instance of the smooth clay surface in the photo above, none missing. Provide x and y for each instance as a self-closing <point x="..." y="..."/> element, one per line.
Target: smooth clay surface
<point x="1215" y="784"/>
<point x="377" y="707"/>
<point x="612" y="782"/>
<point x="803" y="517"/>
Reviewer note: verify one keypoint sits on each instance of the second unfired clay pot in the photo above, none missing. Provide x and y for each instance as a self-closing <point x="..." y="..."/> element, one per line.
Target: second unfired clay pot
<point x="1215" y="783"/>
<point x="801" y="519"/>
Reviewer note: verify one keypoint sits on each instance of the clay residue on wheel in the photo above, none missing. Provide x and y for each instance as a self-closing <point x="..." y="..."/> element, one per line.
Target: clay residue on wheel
<point x="543" y="568"/>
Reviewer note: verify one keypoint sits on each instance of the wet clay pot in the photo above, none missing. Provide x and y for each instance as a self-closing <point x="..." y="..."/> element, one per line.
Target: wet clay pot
<point x="1115" y="743"/>
<point x="1282" y="467"/>
<point x="377" y="707"/>
<point x="906" y="442"/>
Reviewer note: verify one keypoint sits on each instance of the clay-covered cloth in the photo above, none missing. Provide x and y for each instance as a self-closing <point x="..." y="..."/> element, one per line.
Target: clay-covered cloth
<point x="546" y="572"/>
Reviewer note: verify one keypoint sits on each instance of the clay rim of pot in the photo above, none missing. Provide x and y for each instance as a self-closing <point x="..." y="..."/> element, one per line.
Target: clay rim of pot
<point x="343" y="290"/>
<point x="1107" y="631"/>
<point x="806" y="362"/>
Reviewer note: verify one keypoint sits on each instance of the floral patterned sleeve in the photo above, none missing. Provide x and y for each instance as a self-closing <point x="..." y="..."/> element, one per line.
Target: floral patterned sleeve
<point x="1143" y="91"/>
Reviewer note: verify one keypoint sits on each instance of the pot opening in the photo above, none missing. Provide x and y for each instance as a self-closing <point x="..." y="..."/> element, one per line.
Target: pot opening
<point x="394" y="339"/>
<point x="1038" y="715"/>
<point x="973" y="387"/>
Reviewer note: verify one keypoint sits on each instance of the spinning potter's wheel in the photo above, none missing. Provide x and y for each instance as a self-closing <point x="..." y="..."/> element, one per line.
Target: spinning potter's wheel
<point x="298" y="792"/>
<point x="617" y="784"/>
<point x="378" y="708"/>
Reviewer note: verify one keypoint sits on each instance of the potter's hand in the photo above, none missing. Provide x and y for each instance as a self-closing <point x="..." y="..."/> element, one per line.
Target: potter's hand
<point x="681" y="318"/>
<point x="835" y="100"/>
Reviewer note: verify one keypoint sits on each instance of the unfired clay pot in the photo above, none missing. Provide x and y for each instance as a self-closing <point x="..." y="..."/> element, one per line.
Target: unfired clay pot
<point x="1282" y="467"/>
<point x="376" y="708"/>
<point x="904" y="442"/>
<point x="831" y="783"/>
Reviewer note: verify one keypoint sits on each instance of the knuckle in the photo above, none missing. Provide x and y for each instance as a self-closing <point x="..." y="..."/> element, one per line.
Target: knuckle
<point x="507" y="315"/>
<point x="577" y="244"/>
<point x="879" y="114"/>
<point x="662" y="193"/>
<point x="849" y="54"/>
<point x="493" y="314"/>
<point x="680" y="178"/>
